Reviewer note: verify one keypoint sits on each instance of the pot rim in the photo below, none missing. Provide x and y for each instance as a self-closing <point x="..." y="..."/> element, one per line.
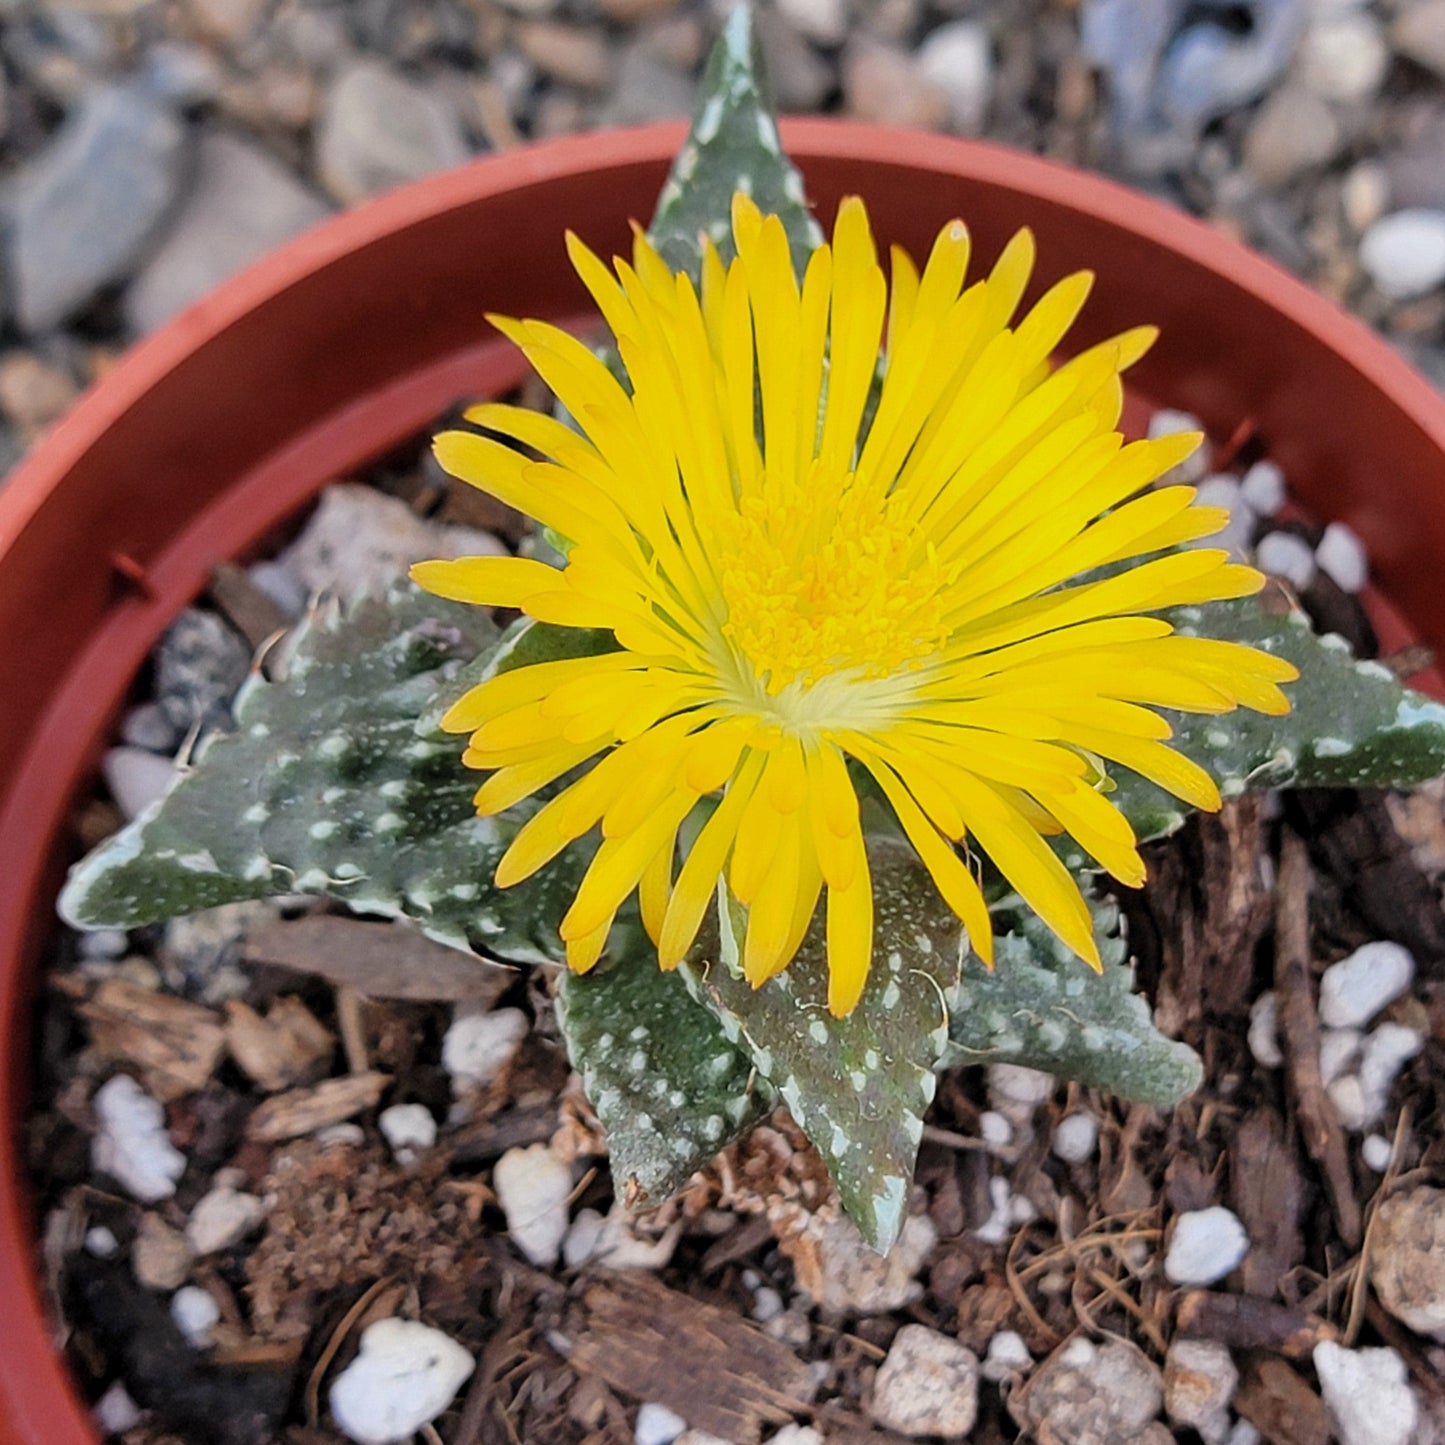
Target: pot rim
<point x="37" y="1401"/>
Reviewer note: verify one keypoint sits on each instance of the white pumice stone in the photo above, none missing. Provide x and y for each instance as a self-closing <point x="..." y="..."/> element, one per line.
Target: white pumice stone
<point x="1207" y="1245"/>
<point x="1076" y="1136"/>
<point x="196" y="1314"/>
<point x="1287" y="556"/>
<point x="1339" y="1052"/>
<point x="1007" y="1355"/>
<point x="1264" y="1031"/>
<point x="1368" y="1393"/>
<point x="994" y="1129"/>
<point x="657" y="1425"/>
<point x="478" y="1046"/>
<point x="404" y="1377"/>
<point x="409" y="1129"/>
<point x="1376" y="1151"/>
<point x="1356" y="988"/>
<point x="1341" y="556"/>
<point x="533" y="1186"/>
<point x="131" y="1143"/>
<point x="101" y="1242"/>
<point x="115" y="1412"/>
<point x="1263" y="488"/>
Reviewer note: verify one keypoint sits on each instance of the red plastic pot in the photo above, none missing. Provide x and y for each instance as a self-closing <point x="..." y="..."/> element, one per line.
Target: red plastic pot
<point x="360" y="333"/>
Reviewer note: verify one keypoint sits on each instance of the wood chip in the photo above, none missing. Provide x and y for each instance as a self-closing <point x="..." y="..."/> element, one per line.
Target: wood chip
<point x="1299" y="1026"/>
<point x="176" y="1045"/>
<point x="1244" y="1322"/>
<point x="716" y="1370"/>
<point x="1267" y="1194"/>
<point x="1278" y="1403"/>
<point x="289" y="1046"/>
<point x="379" y="960"/>
<point x="303" y="1111"/>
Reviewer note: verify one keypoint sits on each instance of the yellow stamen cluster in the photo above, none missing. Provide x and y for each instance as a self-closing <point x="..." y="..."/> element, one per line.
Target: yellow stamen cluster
<point x="798" y="590"/>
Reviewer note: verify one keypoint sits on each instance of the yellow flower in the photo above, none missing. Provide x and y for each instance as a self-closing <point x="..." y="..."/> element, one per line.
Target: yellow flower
<point x="794" y="587"/>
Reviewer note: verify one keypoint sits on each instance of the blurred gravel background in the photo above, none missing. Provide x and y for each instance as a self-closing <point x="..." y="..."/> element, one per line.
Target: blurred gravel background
<point x="152" y="147"/>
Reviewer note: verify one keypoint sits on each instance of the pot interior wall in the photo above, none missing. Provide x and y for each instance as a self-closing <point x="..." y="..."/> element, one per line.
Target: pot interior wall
<point x="361" y="333"/>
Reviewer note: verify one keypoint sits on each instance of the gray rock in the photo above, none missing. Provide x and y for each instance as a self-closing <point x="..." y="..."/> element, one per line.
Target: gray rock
<point x="147" y="726"/>
<point x="1407" y="1260"/>
<point x="647" y="89"/>
<point x="1293" y="132"/>
<point x="1418" y="33"/>
<point x="200" y="951"/>
<point x="378" y="130"/>
<point x="1091" y="1394"/>
<point x="825" y="22"/>
<point x="179" y="75"/>
<point x="572" y="54"/>
<point x="222" y="1218"/>
<point x="86" y="209"/>
<point x="858" y="1280"/>
<point x="1199" y="1382"/>
<point x="359" y="539"/>
<point x="928" y="1385"/>
<point x="199" y="665"/>
<point x="242" y="204"/>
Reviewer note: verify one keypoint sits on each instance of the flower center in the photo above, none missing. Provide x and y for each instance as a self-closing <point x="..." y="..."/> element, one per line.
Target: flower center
<point x="814" y="590"/>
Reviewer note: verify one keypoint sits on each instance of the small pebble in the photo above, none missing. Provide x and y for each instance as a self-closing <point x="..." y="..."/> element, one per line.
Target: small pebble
<point x="928" y="1385"/>
<point x="1076" y="1137"/>
<point x="994" y="1129"/>
<point x="1243" y="1433"/>
<point x="1339" y="1052"/>
<point x="657" y="1425"/>
<point x="856" y="1279"/>
<point x="160" y="1256"/>
<point x="1341" y="556"/>
<point x="405" y="1375"/>
<point x="409" y="1129"/>
<point x="1344" y="57"/>
<point x="345" y="1135"/>
<point x="136" y="778"/>
<point x="1263" y="488"/>
<point x="1195" y="467"/>
<point x="147" y="726"/>
<point x="1007" y="1355"/>
<point x="1404" y="253"/>
<point x="1356" y="988"/>
<point x="1285" y="555"/>
<point x="1207" y="1244"/>
<point x="533" y="1186"/>
<point x="1377" y="1152"/>
<point x="767" y="1304"/>
<point x="1199" y="1382"/>
<point x="222" y="1218"/>
<point x="1264" y="1031"/>
<point x="101" y="1242"/>
<point x="1368" y="1393"/>
<point x="104" y="943"/>
<point x="131" y="1144"/>
<point x="478" y="1046"/>
<point x="957" y="57"/>
<point x="115" y="1412"/>
<point x="196" y="1314"/>
<point x="796" y="1434"/>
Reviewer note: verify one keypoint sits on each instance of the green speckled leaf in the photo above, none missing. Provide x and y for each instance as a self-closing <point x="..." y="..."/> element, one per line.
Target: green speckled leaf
<point x="327" y="786"/>
<point x="1047" y="1009"/>
<point x="1352" y="723"/>
<point x="669" y="1087"/>
<point x="858" y="1087"/>
<point x="733" y="146"/>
